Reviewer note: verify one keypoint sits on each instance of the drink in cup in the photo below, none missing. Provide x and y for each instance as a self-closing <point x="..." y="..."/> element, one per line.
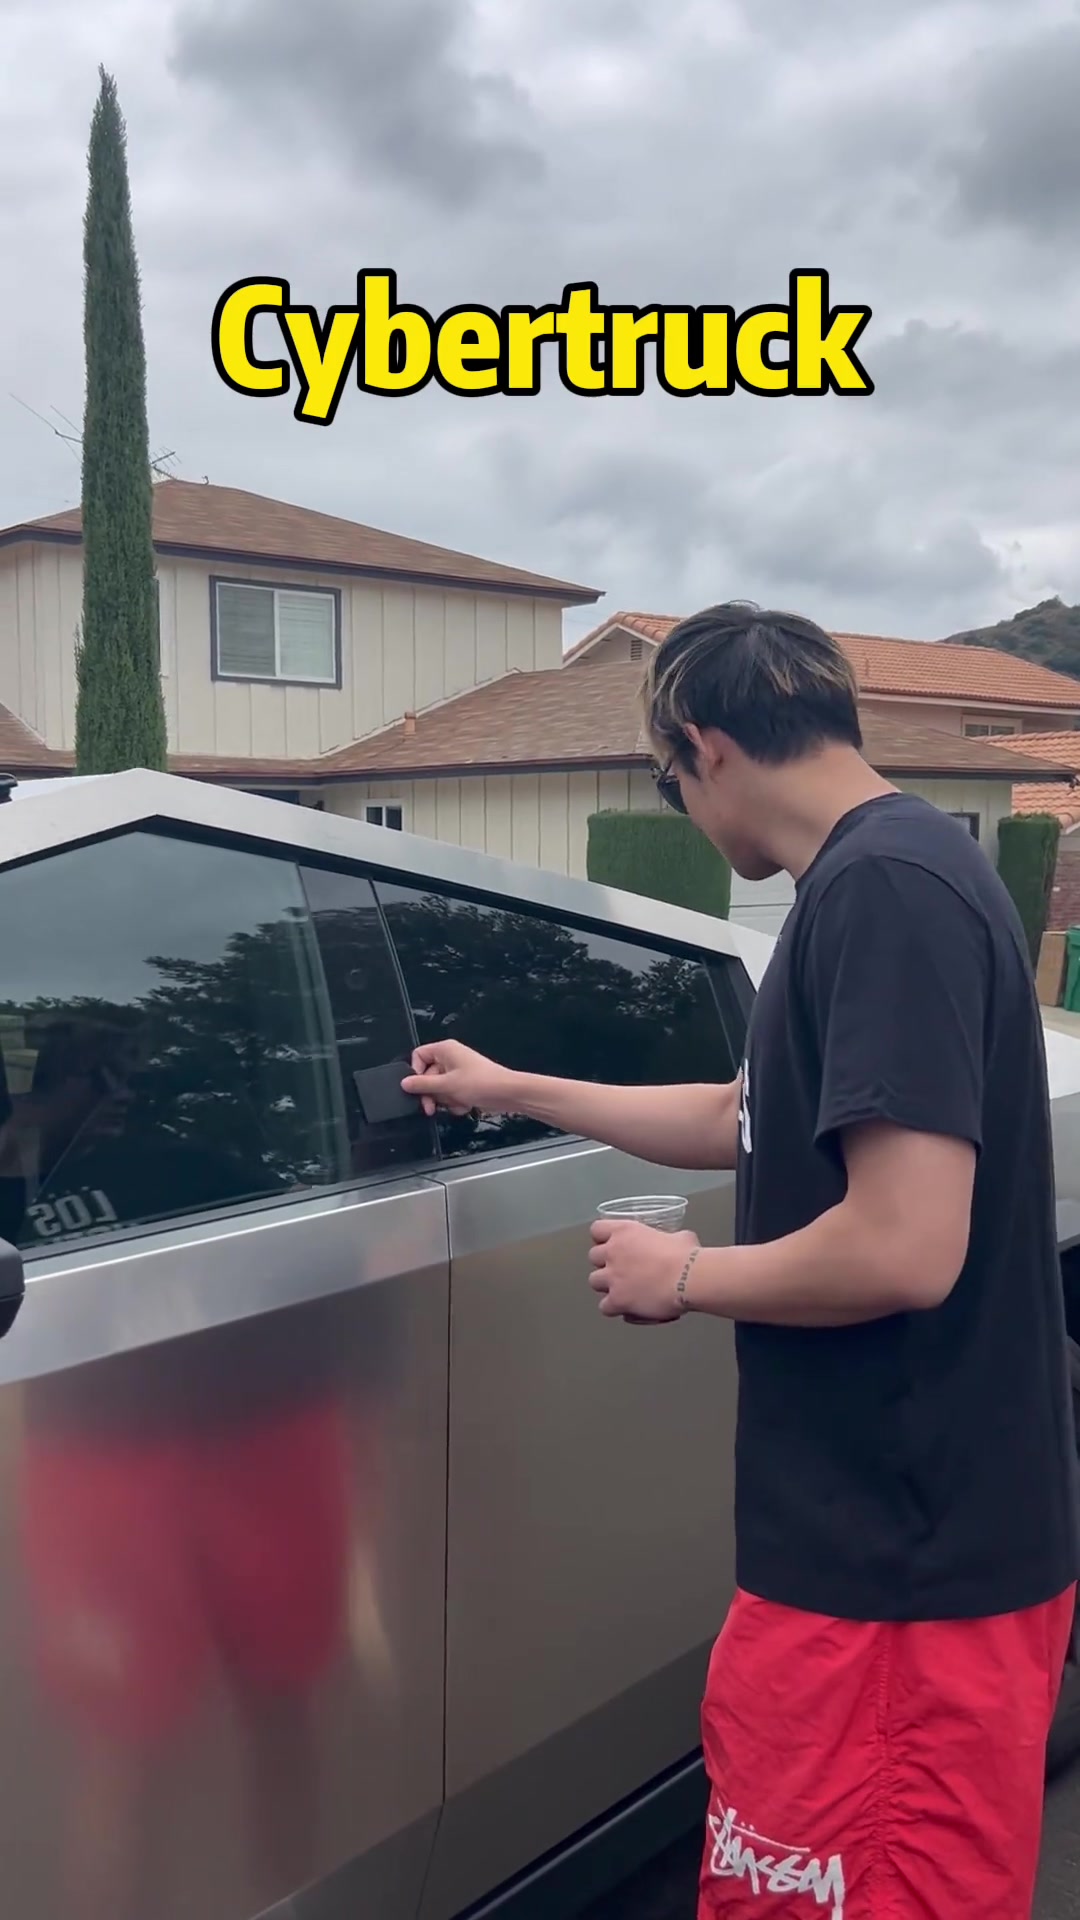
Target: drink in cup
<point x="664" y="1211"/>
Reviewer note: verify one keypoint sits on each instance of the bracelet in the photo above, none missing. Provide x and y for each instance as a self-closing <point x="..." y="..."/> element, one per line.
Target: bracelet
<point x="680" y="1284"/>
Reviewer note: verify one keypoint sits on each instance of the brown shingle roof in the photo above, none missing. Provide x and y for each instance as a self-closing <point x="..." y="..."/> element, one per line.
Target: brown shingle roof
<point x="557" y="719"/>
<point x="22" y="748"/>
<point x="22" y="751"/>
<point x="193" y="519"/>
<point x="564" y="718"/>
<point x="921" y="669"/>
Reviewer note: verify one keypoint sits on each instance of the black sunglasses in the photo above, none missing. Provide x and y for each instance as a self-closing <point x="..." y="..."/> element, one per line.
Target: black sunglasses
<point x="667" y="786"/>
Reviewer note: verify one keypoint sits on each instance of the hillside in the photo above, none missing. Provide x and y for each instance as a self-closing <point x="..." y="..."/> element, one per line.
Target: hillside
<point x="1048" y="634"/>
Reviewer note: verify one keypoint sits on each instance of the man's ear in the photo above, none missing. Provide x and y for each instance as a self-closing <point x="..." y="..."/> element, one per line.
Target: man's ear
<point x="710" y="748"/>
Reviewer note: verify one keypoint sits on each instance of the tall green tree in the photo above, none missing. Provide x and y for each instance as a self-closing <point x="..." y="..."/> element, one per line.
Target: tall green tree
<point x="120" y="714"/>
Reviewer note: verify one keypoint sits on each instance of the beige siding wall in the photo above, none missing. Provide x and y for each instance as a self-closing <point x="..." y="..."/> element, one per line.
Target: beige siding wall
<point x="402" y="648"/>
<point x="542" y="819"/>
<point x="539" y="819"/>
<point x="946" y="719"/>
<point x="618" y="649"/>
<point x="991" y="800"/>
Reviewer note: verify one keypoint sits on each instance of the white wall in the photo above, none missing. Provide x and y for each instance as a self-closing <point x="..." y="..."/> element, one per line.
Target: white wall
<point x="766" y="904"/>
<point x="542" y="820"/>
<point x="403" y="649"/>
<point x="539" y="819"/>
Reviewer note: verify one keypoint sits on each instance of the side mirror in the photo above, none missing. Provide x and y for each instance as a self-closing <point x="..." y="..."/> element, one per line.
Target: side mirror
<point x="12" y="1286"/>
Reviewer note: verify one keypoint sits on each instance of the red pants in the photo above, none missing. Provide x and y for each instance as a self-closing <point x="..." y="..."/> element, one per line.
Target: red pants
<point x="150" y="1562"/>
<point x="865" y="1772"/>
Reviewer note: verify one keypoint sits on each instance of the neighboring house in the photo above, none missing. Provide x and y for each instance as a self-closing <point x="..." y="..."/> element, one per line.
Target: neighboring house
<point x="977" y="693"/>
<point x="517" y="768"/>
<point x="284" y="633"/>
<point x="1061" y="798"/>
<point x="974" y="691"/>
<point x="424" y="690"/>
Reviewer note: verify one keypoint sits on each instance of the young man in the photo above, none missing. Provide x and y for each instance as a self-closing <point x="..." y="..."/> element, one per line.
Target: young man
<point x="878" y="1702"/>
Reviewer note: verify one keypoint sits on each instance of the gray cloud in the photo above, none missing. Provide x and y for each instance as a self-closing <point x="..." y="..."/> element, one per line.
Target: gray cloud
<point x="697" y="152"/>
<point x="1019" y="164"/>
<point x="384" y="87"/>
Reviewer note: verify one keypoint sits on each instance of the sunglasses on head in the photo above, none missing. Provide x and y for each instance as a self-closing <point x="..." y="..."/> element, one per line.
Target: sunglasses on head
<point x="667" y="786"/>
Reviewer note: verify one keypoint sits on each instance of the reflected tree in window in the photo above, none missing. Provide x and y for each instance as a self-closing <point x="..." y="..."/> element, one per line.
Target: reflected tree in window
<point x="546" y="998"/>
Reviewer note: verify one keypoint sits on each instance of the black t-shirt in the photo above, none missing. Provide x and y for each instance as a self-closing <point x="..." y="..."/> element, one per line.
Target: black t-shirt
<point x="921" y="1466"/>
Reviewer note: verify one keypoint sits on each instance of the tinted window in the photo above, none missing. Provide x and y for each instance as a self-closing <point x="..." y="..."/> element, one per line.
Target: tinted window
<point x="165" y="1036"/>
<point x="371" y="1019"/>
<point x="547" y="998"/>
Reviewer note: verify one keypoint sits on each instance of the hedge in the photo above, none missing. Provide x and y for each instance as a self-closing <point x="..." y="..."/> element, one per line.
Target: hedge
<point x="661" y="855"/>
<point x="1027" y="856"/>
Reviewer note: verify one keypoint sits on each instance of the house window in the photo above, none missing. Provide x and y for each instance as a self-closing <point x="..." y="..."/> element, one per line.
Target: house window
<point x="275" y="633"/>
<point x="387" y="813"/>
<point x="989" y="729"/>
<point x="968" y="820"/>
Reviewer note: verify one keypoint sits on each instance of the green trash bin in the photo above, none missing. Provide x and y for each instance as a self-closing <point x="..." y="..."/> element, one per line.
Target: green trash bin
<point x="1071" y="1002"/>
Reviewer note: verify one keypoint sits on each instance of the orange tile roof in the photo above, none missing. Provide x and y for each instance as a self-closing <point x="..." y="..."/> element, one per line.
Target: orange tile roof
<point x="921" y="669"/>
<point x="1050" y="796"/>
<point x="1059" y="797"/>
<point x="1062" y="747"/>
<point x="190" y="518"/>
<point x="567" y="717"/>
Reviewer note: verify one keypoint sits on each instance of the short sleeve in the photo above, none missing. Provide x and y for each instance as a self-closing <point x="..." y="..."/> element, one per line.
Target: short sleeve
<point x="896" y="975"/>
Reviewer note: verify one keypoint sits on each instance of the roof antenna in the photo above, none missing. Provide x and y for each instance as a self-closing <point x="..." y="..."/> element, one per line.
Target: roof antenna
<point x="160" y="463"/>
<point x="8" y="783"/>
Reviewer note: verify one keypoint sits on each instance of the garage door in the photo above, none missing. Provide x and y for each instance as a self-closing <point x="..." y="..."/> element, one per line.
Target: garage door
<point x="762" y="904"/>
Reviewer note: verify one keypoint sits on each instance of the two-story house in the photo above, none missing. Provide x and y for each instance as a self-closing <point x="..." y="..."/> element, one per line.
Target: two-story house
<point x="417" y="688"/>
<point x="285" y="634"/>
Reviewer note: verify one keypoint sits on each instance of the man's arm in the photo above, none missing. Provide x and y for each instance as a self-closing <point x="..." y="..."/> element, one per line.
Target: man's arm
<point x="895" y="986"/>
<point x="895" y="980"/>
<point x="895" y="1244"/>
<point x="695" y="1127"/>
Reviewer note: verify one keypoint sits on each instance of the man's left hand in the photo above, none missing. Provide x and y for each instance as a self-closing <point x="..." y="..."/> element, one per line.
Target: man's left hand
<point x="635" y="1269"/>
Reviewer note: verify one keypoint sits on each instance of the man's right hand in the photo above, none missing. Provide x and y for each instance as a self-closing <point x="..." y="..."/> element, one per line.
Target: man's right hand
<point x="447" y="1074"/>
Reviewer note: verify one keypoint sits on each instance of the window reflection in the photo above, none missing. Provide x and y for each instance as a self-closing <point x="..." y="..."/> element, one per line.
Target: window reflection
<point x="163" y="1037"/>
<point x="547" y="998"/>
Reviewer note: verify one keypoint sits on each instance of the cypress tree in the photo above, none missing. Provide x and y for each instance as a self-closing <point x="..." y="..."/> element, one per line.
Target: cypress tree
<point x="120" y="713"/>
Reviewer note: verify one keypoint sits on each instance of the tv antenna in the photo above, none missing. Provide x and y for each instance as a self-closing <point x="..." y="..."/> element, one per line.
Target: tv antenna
<point x="160" y="463"/>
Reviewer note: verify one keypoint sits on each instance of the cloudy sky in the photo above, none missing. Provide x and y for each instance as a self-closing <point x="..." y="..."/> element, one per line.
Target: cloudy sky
<point x="926" y="153"/>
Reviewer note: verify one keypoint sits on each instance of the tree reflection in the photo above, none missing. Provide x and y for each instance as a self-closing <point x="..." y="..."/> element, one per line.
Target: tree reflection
<point x="226" y="1055"/>
<point x="544" y="998"/>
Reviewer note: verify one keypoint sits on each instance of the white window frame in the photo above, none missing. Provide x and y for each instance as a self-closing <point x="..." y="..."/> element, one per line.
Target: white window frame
<point x="978" y="728"/>
<point x="276" y="588"/>
<point x="383" y="807"/>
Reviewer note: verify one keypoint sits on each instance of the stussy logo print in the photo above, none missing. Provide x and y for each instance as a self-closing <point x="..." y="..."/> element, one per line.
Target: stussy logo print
<point x="767" y="1866"/>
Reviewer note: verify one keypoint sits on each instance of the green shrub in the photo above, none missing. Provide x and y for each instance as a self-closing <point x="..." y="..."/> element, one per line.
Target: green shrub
<point x="661" y="855"/>
<point x="1027" y="856"/>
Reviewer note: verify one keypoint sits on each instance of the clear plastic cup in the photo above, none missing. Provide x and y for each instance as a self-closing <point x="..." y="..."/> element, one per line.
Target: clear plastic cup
<point x="664" y="1211"/>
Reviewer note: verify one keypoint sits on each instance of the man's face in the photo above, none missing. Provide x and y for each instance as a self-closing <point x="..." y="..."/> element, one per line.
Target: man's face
<point x="718" y="796"/>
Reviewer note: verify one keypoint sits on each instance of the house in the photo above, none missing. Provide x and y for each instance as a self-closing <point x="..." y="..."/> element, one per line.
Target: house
<point x="974" y="691"/>
<point x="1061" y="798"/>
<point x="285" y="634"/>
<point x="420" y="689"/>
